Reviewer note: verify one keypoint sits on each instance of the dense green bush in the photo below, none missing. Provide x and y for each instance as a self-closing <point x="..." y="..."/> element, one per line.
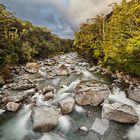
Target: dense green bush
<point x="114" y="40"/>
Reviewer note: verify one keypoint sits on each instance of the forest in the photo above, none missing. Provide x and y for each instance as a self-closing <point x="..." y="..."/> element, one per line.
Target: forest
<point x="21" y="42"/>
<point x="113" y="40"/>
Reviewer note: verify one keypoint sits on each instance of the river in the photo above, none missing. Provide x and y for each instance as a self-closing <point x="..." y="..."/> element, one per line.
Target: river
<point x="18" y="125"/>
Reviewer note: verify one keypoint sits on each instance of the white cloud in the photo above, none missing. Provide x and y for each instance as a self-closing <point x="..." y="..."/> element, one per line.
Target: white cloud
<point x="61" y="14"/>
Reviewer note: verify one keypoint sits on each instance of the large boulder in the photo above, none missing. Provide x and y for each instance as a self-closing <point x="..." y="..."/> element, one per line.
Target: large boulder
<point x="63" y="70"/>
<point x="44" y="119"/>
<point x="90" y="93"/>
<point x="32" y="68"/>
<point x="11" y="106"/>
<point x="67" y="105"/>
<point x="119" y="112"/>
<point x="134" y="94"/>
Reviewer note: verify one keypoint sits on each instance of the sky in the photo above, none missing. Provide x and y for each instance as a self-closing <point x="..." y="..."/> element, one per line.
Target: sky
<point x="62" y="17"/>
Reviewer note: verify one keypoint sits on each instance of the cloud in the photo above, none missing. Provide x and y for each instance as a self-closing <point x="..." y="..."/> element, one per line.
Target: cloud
<point x="61" y="16"/>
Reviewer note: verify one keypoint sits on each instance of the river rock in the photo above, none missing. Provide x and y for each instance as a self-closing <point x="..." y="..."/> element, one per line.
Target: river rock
<point x="47" y="89"/>
<point x="83" y="129"/>
<point x="63" y="70"/>
<point x="44" y="119"/>
<point x="90" y="93"/>
<point x="13" y="98"/>
<point x="119" y="112"/>
<point x="11" y="106"/>
<point x="22" y="85"/>
<point x="32" y="68"/>
<point x="48" y="96"/>
<point x="67" y="105"/>
<point x="18" y="97"/>
<point x="2" y="81"/>
<point x="134" y="94"/>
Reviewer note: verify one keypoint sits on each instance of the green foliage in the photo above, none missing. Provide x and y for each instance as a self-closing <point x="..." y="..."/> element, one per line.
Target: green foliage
<point x="21" y="42"/>
<point x="116" y="39"/>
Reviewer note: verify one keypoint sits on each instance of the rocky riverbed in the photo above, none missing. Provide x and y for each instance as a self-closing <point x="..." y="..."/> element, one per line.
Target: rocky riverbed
<point x="64" y="98"/>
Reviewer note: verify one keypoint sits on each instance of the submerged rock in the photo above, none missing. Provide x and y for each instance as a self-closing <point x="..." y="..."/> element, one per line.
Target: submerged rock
<point x="44" y="119"/>
<point x="100" y="126"/>
<point x="67" y="105"/>
<point x="32" y="68"/>
<point x="11" y="106"/>
<point x="90" y="93"/>
<point x="63" y="70"/>
<point x="119" y="112"/>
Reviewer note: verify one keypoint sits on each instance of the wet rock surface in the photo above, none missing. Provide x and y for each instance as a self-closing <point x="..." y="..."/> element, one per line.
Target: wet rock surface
<point x="90" y="93"/>
<point x="11" y="106"/>
<point x="67" y="105"/>
<point x="44" y="119"/>
<point x="66" y="96"/>
<point x="120" y="113"/>
<point x="134" y="93"/>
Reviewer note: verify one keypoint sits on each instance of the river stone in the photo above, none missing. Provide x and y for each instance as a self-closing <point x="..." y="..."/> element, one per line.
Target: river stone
<point x="63" y="70"/>
<point x="47" y="89"/>
<point x="32" y="68"/>
<point x="44" y="119"/>
<point x="120" y="113"/>
<point x="83" y="129"/>
<point x="13" y="98"/>
<point x="22" y="85"/>
<point x="67" y="105"/>
<point x="134" y="94"/>
<point x="2" y="81"/>
<point x="18" y="97"/>
<point x="11" y="106"/>
<point x="90" y="93"/>
<point x="48" y="96"/>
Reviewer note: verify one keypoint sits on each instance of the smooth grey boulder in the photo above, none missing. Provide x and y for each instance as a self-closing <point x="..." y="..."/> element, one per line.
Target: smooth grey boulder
<point x="44" y="118"/>
<point x="119" y="112"/>
<point x="67" y="105"/>
<point x="90" y="93"/>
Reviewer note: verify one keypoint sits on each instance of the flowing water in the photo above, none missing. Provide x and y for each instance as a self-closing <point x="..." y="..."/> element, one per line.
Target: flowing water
<point x="18" y="126"/>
